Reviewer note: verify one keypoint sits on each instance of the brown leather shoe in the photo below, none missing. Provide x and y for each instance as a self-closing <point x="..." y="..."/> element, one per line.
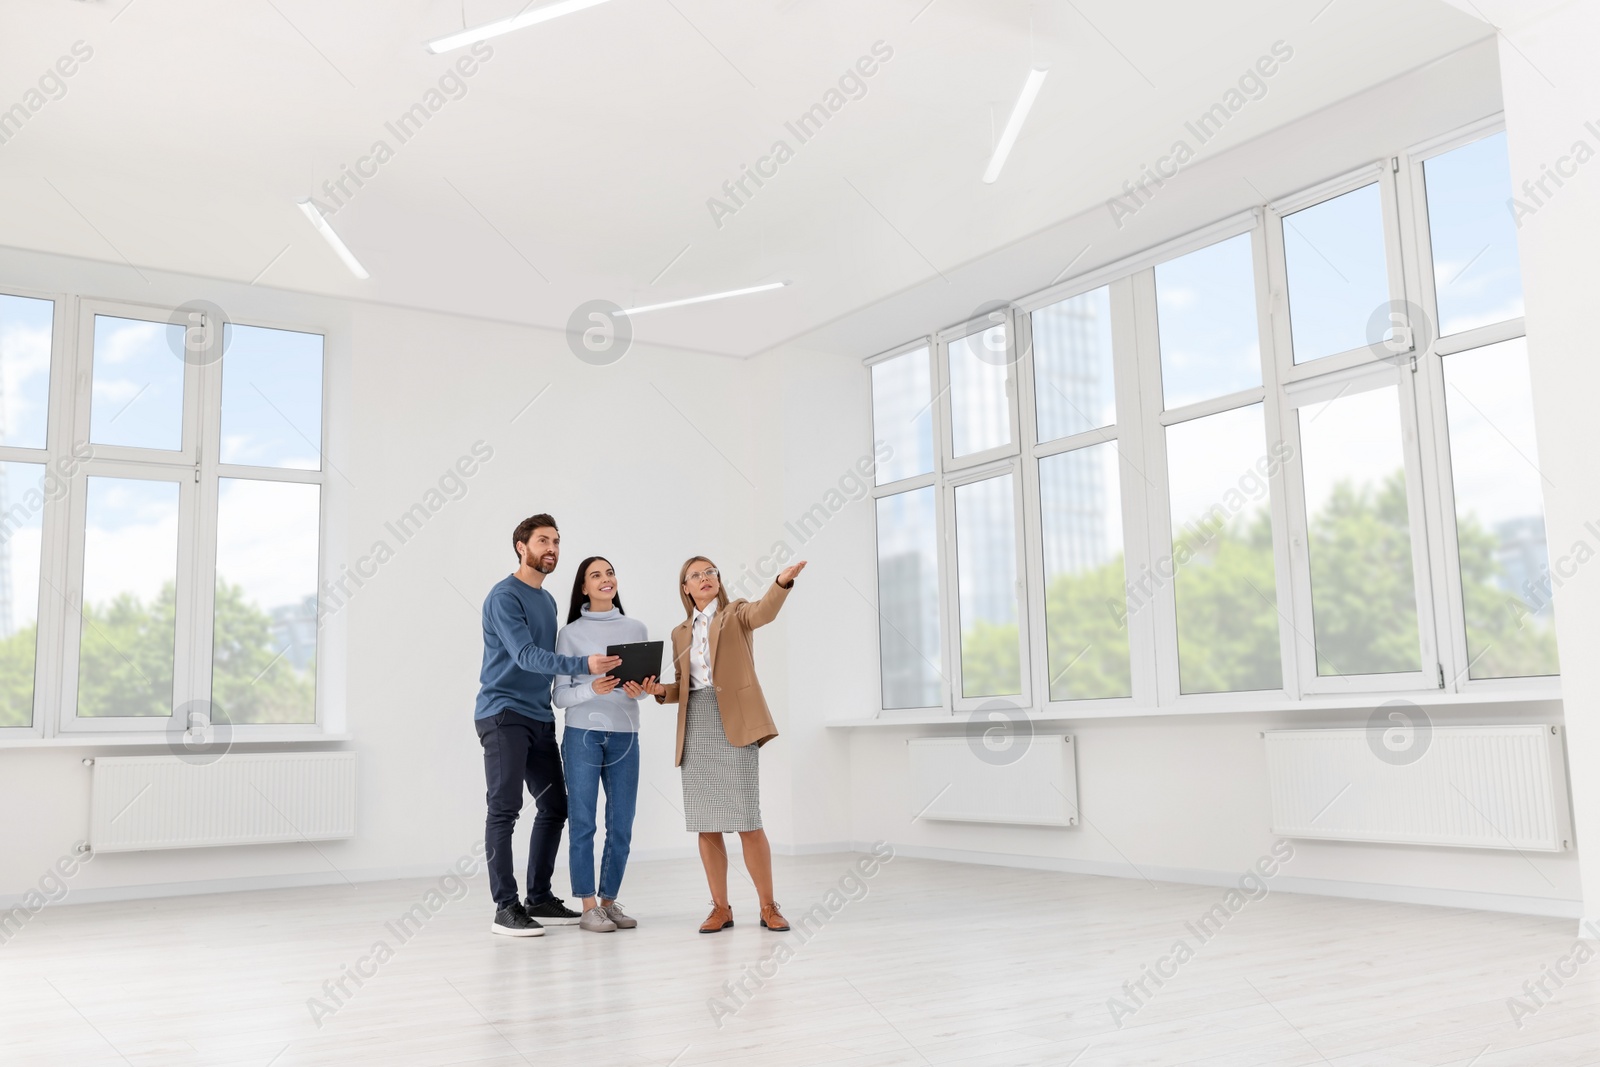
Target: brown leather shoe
<point x="721" y="918"/>
<point x="772" y="918"/>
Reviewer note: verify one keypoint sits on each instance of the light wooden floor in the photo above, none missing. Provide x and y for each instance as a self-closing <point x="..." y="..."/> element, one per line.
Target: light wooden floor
<point x="939" y="964"/>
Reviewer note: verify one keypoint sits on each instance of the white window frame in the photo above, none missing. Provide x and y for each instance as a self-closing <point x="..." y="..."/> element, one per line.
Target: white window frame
<point x="951" y="575"/>
<point x="1321" y="379"/>
<point x="1131" y="493"/>
<point x="941" y="541"/>
<point x="1139" y="435"/>
<point x="197" y="470"/>
<point x="1352" y="381"/>
<point x="944" y="414"/>
<point x="1381" y="174"/>
<point x="1156" y="418"/>
<point x="51" y="607"/>
<point x="1444" y="551"/>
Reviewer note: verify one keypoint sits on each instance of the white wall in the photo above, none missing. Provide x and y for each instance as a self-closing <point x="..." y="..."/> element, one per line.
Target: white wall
<point x="1181" y="797"/>
<point x="413" y="391"/>
<point x="1552" y="99"/>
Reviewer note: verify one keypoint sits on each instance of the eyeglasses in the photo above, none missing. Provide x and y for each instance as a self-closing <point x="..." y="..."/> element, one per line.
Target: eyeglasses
<point x="709" y="572"/>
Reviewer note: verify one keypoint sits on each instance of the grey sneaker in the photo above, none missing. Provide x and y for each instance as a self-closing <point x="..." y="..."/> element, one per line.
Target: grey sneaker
<point x="596" y="921"/>
<point x="615" y="913"/>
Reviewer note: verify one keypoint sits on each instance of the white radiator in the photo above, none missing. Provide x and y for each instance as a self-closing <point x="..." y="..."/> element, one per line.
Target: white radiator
<point x="955" y="778"/>
<point x="151" y="802"/>
<point x="1473" y="786"/>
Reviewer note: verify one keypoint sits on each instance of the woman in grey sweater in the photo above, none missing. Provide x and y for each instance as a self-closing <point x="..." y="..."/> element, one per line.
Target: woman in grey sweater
<point x="600" y="745"/>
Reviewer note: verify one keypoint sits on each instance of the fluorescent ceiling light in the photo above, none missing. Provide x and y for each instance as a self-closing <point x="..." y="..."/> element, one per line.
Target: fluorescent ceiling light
<point x="526" y="17"/>
<point x="314" y="213"/>
<point x="1019" y="115"/>
<point x="703" y="299"/>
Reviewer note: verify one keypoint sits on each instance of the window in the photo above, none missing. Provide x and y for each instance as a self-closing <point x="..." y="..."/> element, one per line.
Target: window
<point x="1334" y="258"/>
<point x="1072" y="365"/>
<point x="907" y="512"/>
<point x="28" y="488"/>
<point x="1358" y="522"/>
<point x="137" y="391"/>
<point x="986" y="584"/>
<point x="1499" y="513"/>
<point x="1086" y="636"/>
<point x="21" y="540"/>
<point x="169" y="531"/>
<point x="1490" y="487"/>
<point x="902" y="415"/>
<point x="127" y="626"/>
<point x="908" y="599"/>
<point x="1155" y="486"/>
<point x="1206" y="320"/>
<point x="1476" y="274"/>
<point x="1223" y="585"/>
<point x="979" y="377"/>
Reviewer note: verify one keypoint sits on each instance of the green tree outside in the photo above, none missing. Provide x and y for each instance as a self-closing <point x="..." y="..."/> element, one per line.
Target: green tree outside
<point x="125" y="664"/>
<point x="1363" y="604"/>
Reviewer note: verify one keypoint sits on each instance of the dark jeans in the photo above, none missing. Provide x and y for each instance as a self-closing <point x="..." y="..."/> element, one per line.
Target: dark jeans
<point x="517" y="750"/>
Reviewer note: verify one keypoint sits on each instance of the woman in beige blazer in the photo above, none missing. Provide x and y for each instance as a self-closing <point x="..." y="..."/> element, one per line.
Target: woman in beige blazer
<point x="722" y="721"/>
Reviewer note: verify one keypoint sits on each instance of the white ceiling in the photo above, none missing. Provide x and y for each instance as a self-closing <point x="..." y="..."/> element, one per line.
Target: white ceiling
<point x="579" y="162"/>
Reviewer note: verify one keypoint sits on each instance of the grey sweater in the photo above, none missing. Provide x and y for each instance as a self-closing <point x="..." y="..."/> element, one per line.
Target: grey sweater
<point x="585" y="636"/>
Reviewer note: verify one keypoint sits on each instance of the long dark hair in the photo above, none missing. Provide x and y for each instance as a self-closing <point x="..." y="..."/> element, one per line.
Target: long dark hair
<point x="579" y="600"/>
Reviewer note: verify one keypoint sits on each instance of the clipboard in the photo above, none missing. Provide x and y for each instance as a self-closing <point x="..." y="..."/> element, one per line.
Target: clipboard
<point x="640" y="660"/>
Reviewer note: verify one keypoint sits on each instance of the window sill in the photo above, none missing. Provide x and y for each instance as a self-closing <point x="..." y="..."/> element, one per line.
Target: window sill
<point x="159" y="740"/>
<point x="1543" y="697"/>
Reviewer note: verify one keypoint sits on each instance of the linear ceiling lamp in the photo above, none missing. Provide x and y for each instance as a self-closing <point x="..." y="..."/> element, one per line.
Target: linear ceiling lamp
<point x="703" y="299"/>
<point x="1019" y="115"/>
<point x="527" y="17"/>
<point x="312" y="212"/>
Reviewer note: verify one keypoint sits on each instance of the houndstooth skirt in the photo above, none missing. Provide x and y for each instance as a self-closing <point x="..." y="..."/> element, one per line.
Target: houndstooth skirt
<point x="721" y="783"/>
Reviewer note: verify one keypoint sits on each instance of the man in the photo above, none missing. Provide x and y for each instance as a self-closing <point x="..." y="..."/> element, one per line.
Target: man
<point x="518" y="730"/>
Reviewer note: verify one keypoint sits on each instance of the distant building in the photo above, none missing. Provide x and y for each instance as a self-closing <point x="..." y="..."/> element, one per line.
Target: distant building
<point x="294" y="626"/>
<point x="1520" y="553"/>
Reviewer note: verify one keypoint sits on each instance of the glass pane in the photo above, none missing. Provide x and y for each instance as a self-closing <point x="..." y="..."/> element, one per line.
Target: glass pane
<point x="1476" y="273"/>
<point x="986" y="583"/>
<point x="1072" y="365"/>
<point x="902" y="415"/>
<point x="23" y="490"/>
<point x="1494" y="466"/>
<point x="980" y="416"/>
<point x="1225" y="586"/>
<point x="264" y="637"/>
<point x="272" y="398"/>
<point x="1085" y="605"/>
<point x="1338" y="277"/>
<point x="1363" y="595"/>
<point x="137" y="399"/>
<point x="908" y="600"/>
<point x="130" y="568"/>
<point x="1206" y="318"/>
<point x="26" y="327"/>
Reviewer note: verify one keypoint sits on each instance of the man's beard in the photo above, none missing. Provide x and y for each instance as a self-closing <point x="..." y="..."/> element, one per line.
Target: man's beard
<point x="538" y="563"/>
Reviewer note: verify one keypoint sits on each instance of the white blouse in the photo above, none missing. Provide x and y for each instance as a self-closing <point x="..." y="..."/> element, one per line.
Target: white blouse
<point x="700" y="648"/>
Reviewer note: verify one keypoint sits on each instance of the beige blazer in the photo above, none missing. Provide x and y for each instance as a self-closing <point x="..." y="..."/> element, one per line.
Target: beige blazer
<point x="731" y="653"/>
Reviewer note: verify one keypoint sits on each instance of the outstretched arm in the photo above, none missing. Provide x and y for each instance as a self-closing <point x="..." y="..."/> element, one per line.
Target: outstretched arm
<point x="760" y="612"/>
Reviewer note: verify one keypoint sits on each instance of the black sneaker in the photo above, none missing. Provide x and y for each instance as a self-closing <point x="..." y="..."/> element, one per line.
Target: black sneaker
<point x="513" y="920"/>
<point x="554" y="913"/>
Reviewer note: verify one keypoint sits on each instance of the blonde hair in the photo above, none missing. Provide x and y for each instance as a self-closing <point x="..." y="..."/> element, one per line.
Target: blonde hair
<point x="683" y="579"/>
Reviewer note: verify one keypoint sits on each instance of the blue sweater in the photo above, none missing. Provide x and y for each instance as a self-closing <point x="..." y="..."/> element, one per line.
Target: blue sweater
<point x="519" y="659"/>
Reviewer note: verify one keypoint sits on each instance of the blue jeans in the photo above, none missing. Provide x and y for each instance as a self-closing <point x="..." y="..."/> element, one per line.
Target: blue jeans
<point x="593" y="758"/>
